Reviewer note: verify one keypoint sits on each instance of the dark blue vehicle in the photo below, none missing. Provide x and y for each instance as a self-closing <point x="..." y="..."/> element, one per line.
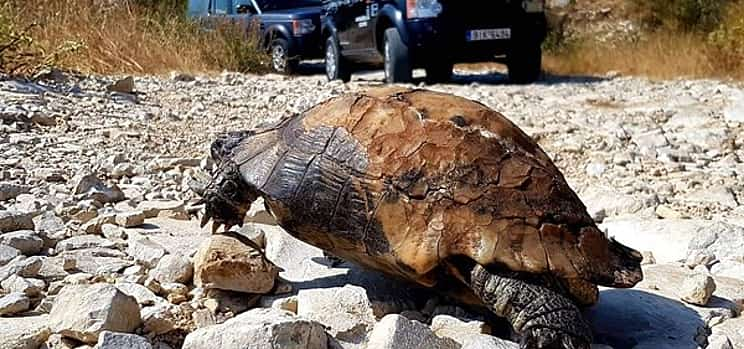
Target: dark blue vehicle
<point x="433" y="34"/>
<point x="290" y="28"/>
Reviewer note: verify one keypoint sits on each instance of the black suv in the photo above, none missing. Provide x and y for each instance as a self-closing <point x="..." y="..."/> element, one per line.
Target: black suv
<point x="432" y="34"/>
<point x="290" y="28"/>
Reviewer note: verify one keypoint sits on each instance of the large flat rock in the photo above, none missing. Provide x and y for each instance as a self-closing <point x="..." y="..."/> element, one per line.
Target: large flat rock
<point x="24" y="332"/>
<point x="668" y="239"/>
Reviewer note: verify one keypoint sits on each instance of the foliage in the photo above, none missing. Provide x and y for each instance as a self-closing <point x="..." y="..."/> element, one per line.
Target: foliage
<point x="682" y="15"/>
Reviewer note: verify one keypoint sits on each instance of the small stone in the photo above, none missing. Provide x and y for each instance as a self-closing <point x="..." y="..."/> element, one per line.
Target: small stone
<point x="173" y="268"/>
<point x="113" y="232"/>
<point x="261" y="329"/>
<point x="456" y="329"/>
<point x="24" y="332"/>
<point x="22" y="266"/>
<point x="14" y="303"/>
<point x="13" y="221"/>
<point x="78" y="279"/>
<point x="45" y="305"/>
<point x="483" y="341"/>
<point x="225" y="263"/>
<point x="145" y="251"/>
<point x="288" y="303"/>
<point x="648" y="258"/>
<point x="697" y="289"/>
<point x="7" y="254"/>
<point x="397" y="332"/>
<point x="142" y="294"/>
<point x="89" y="187"/>
<point x="177" y="298"/>
<point x="596" y="169"/>
<point x="125" y="85"/>
<point x="700" y="257"/>
<point x="95" y="225"/>
<point x="170" y="209"/>
<point x="220" y="301"/>
<point x="26" y="241"/>
<point x="160" y="318"/>
<point x="130" y="219"/>
<point x="113" y="340"/>
<point x="83" y="242"/>
<point x="181" y="77"/>
<point x="345" y="311"/>
<point x="57" y="341"/>
<point x="17" y="284"/>
<point x="11" y="191"/>
<point x="203" y="318"/>
<point x="82" y="312"/>
<point x="667" y="212"/>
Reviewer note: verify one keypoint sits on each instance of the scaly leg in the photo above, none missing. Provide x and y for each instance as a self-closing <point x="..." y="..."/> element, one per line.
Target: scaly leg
<point x="544" y="318"/>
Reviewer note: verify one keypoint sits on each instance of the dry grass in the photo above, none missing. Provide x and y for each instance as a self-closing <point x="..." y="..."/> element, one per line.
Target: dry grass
<point x="660" y="55"/>
<point x="682" y="46"/>
<point x="125" y="38"/>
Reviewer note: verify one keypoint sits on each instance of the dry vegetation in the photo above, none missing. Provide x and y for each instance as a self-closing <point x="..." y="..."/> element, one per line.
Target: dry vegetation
<point x="679" y="38"/>
<point x="118" y="37"/>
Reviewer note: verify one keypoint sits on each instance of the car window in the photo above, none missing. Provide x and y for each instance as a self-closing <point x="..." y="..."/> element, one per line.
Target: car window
<point x="272" y="5"/>
<point x="223" y="7"/>
<point x="198" y="7"/>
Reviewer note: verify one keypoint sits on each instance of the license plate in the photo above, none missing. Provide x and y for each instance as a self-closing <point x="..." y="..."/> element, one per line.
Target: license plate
<point x="489" y="34"/>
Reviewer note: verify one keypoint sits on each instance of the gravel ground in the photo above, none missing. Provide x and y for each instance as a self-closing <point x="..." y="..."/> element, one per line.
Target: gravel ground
<point x="638" y="151"/>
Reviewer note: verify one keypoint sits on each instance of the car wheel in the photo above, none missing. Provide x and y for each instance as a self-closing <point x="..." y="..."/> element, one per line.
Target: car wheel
<point x="524" y="63"/>
<point x="397" y="62"/>
<point x="280" y="61"/>
<point x="335" y="65"/>
<point x="439" y="72"/>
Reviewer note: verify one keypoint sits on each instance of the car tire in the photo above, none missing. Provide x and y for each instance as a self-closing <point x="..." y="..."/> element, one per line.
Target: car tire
<point x="439" y="72"/>
<point x="397" y="62"/>
<point x="280" y="61"/>
<point x="337" y="68"/>
<point x="524" y="64"/>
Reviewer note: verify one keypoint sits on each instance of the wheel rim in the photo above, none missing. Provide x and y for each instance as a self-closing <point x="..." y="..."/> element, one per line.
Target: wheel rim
<point x="279" y="58"/>
<point x="388" y="64"/>
<point x="330" y="61"/>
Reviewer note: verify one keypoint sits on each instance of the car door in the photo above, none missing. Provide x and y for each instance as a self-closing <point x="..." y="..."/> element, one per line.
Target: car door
<point x="352" y="24"/>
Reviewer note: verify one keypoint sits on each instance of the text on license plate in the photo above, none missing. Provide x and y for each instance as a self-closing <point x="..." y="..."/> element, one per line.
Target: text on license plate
<point x="489" y="34"/>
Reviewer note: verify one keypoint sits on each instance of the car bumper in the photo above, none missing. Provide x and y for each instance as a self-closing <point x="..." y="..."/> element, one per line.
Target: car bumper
<point x="435" y="37"/>
<point x="305" y="47"/>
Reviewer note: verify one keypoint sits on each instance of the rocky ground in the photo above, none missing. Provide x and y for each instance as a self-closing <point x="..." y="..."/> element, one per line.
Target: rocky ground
<point x="97" y="247"/>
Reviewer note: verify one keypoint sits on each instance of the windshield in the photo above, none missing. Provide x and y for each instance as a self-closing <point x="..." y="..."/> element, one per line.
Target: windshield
<point x="273" y="5"/>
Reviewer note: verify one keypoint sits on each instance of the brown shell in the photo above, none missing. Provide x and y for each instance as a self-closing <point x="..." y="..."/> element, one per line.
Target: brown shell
<point x="400" y="180"/>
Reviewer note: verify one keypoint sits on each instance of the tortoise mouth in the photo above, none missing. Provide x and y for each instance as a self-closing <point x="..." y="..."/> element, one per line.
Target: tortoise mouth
<point x="227" y="198"/>
<point x="627" y="265"/>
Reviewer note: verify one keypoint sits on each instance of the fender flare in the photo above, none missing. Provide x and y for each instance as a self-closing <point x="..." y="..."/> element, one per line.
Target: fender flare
<point x="276" y="31"/>
<point x="391" y="15"/>
<point x="327" y="28"/>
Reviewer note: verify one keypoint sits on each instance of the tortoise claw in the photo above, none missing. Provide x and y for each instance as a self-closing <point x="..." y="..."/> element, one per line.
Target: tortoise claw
<point x="204" y="220"/>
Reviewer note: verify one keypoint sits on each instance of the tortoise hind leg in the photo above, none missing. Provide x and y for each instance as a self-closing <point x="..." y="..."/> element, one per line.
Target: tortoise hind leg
<point x="542" y="317"/>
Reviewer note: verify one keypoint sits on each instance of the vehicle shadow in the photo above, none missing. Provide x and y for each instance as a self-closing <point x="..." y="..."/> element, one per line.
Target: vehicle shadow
<point x="500" y="78"/>
<point x="460" y="77"/>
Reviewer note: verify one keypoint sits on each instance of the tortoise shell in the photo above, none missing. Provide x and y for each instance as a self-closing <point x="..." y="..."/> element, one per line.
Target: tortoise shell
<point x="402" y="180"/>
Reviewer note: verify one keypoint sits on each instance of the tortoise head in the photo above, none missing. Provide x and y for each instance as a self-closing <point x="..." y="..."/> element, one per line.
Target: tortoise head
<point x="613" y="264"/>
<point x="227" y="197"/>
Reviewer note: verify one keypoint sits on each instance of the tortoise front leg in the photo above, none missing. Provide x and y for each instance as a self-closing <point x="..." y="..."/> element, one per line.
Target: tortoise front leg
<point x="543" y="318"/>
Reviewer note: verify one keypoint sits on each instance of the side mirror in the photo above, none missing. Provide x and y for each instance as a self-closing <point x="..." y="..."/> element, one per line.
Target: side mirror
<point x="244" y="9"/>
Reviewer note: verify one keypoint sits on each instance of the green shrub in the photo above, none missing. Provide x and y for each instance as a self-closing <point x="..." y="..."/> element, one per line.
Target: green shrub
<point x="683" y="15"/>
<point x="728" y="38"/>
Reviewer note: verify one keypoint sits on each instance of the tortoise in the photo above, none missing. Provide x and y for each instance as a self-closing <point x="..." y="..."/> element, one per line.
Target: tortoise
<point x="434" y="189"/>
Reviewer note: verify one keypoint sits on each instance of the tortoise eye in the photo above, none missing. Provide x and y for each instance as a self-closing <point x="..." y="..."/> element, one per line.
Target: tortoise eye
<point x="229" y="187"/>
